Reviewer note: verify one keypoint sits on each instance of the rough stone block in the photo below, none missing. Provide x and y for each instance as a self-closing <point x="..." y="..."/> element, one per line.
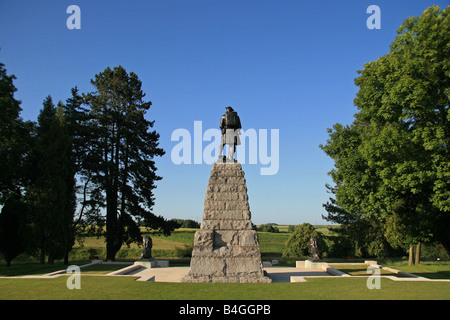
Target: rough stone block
<point x="248" y="238"/>
<point x="204" y="238"/>
<point x="226" y="249"/>
<point x="209" y="214"/>
<point x="243" y="266"/>
<point x="266" y="264"/>
<point x="163" y="263"/>
<point x="226" y="224"/>
<point x="224" y="238"/>
<point x="208" y="267"/>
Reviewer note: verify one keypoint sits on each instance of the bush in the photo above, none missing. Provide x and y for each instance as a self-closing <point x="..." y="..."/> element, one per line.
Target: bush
<point x="298" y="242"/>
<point x="186" y="223"/>
<point x="12" y="229"/>
<point x="339" y="247"/>
<point x="433" y="251"/>
<point x="185" y="252"/>
<point x="268" y="228"/>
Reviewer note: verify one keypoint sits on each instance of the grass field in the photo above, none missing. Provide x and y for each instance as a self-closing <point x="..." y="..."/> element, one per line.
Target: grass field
<point x="271" y="244"/>
<point x="124" y="288"/>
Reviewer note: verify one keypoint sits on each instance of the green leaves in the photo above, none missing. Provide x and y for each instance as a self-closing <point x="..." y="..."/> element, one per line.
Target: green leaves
<point x="298" y="243"/>
<point x="120" y="157"/>
<point x="396" y="151"/>
<point x="52" y="191"/>
<point x="15" y="139"/>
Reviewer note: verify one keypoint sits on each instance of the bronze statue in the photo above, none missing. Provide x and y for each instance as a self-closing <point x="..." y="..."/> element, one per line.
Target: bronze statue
<point x="230" y="124"/>
<point x="146" y="252"/>
<point x="314" y="248"/>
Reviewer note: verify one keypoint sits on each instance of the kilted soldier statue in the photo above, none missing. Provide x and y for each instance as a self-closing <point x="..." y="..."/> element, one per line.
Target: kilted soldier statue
<point x="230" y="124"/>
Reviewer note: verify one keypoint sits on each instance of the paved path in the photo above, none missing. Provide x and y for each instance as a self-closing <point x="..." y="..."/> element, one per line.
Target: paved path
<point x="283" y="274"/>
<point x="277" y="274"/>
<point x="170" y="274"/>
<point x="175" y="274"/>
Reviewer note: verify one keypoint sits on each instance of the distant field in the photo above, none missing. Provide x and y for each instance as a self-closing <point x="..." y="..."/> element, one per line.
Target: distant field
<point x="178" y="244"/>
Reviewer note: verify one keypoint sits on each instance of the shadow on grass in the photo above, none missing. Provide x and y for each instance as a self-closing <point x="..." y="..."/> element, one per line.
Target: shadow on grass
<point x="23" y="269"/>
<point x="434" y="275"/>
<point x="26" y="269"/>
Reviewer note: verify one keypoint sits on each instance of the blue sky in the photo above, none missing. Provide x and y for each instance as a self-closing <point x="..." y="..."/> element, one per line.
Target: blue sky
<point x="287" y="65"/>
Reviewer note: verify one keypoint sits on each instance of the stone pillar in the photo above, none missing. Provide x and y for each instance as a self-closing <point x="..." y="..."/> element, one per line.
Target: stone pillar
<point x="226" y="249"/>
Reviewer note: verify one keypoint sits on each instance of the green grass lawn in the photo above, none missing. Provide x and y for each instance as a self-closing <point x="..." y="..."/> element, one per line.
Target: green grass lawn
<point x="356" y="270"/>
<point x="124" y="288"/>
<point x="272" y="242"/>
<point x="427" y="269"/>
<point x="272" y="246"/>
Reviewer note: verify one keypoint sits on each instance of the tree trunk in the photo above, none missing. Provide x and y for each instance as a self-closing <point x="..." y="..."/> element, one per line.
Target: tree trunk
<point x="418" y="253"/>
<point x="113" y="228"/>
<point x="111" y="231"/>
<point x="411" y="256"/>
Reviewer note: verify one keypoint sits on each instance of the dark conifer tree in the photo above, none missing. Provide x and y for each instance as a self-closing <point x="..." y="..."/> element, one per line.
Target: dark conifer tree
<point x="120" y="161"/>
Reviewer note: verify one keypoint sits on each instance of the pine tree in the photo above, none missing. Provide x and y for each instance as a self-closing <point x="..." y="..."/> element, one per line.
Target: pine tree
<point x="15" y="140"/>
<point x="53" y="190"/>
<point x="120" y="160"/>
<point x="13" y="228"/>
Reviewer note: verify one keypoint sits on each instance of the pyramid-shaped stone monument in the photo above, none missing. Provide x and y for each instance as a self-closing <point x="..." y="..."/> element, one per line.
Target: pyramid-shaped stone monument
<point x="226" y="249"/>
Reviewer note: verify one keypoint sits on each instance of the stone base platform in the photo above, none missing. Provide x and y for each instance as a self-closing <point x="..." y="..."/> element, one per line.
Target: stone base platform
<point x="152" y="263"/>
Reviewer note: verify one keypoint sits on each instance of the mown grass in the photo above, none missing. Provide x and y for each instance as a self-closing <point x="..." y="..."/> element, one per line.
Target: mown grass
<point x="124" y="288"/>
<point x="360" y="270"/>
<point x="271" y="244"/>
<point x="427" y="269"/>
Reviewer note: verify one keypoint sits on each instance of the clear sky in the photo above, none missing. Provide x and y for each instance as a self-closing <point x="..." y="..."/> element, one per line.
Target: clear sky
<point x="287" y="65"/>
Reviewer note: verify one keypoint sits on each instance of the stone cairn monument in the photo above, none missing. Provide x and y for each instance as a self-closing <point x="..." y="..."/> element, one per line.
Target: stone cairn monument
<point x="226" y="249"/>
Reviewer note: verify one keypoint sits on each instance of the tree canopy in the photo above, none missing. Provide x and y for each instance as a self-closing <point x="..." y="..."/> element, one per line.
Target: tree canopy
<point x="87" y="164"/>
<point x="120" y="158"/>
<point x="392" y="163"/>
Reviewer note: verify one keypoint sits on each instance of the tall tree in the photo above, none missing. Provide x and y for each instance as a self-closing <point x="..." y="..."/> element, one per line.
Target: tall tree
<point x="52" y="192"/>
<point x="14" y="218"/>
<point x="393" y="162"/>
<point x="120" y="160"/>
<point x="9" y="123"/>
<point x="15" y="140"/>
<point x="76" y="118"/>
